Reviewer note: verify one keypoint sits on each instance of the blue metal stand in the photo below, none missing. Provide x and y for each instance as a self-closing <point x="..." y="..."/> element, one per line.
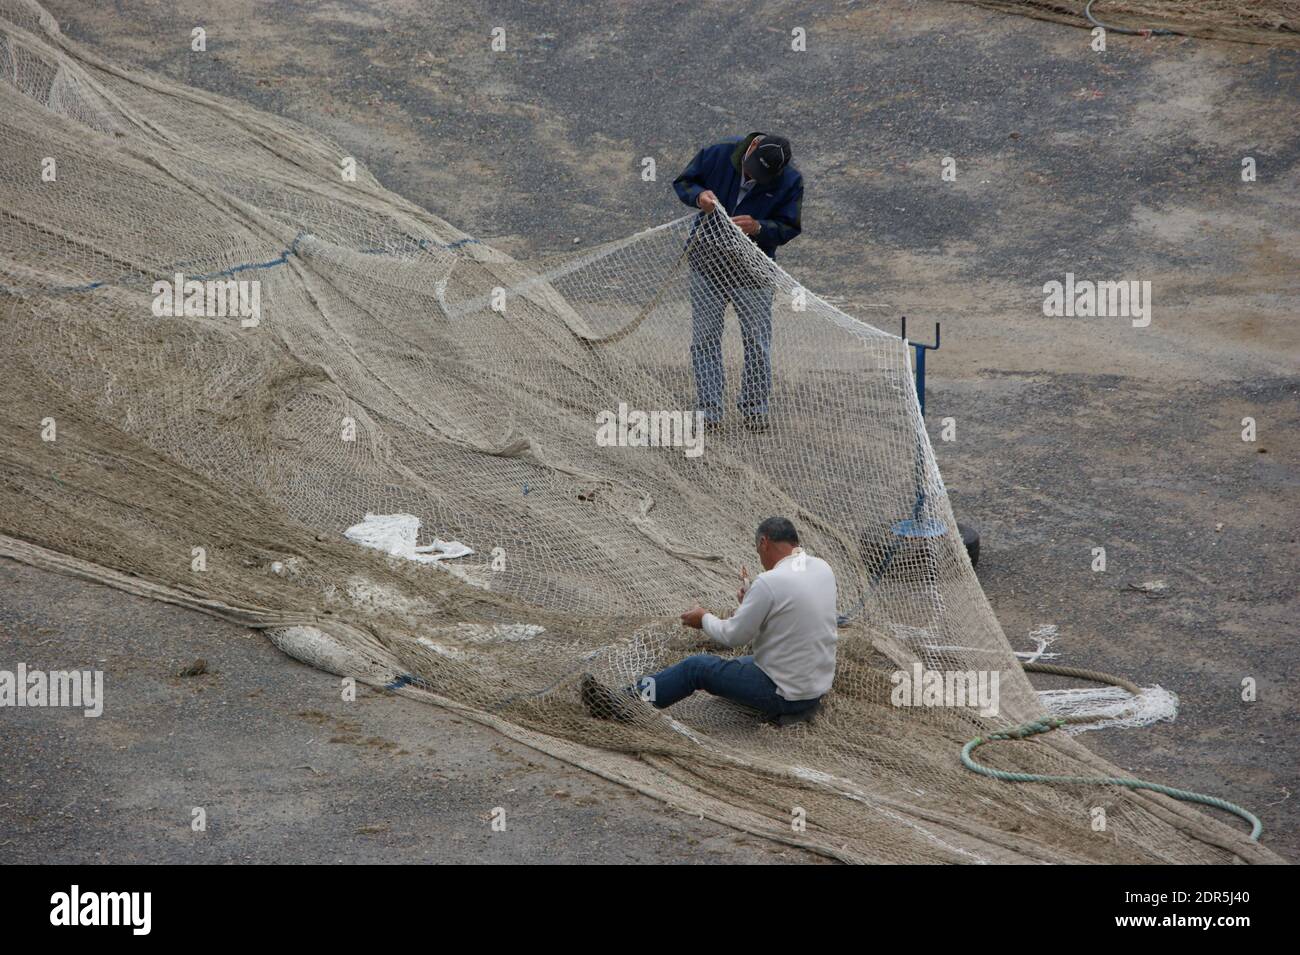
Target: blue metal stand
<point x="970" y="537"/>
<point x="921" y="349"/>
<point x="915" y="527"/>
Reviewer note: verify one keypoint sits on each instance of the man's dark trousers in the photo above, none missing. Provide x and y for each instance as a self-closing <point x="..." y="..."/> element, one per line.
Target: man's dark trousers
<point x="709" y="297"/>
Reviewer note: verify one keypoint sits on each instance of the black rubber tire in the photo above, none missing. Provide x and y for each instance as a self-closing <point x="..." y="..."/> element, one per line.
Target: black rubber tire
<point x="971" y="538"/>
<point x="896" y="558"/>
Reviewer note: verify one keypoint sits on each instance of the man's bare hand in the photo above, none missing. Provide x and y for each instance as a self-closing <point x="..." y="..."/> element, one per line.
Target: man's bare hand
<point x="694" y="618"/>
<point x="707" y="200"/>
<point x="748" y="224"/>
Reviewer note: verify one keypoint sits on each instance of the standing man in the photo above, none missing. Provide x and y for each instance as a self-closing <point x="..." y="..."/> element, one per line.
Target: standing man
<point x="753" y="177"/>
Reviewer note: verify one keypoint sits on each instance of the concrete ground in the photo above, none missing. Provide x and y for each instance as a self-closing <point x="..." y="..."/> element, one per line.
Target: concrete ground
<point x="1071" y="433"/>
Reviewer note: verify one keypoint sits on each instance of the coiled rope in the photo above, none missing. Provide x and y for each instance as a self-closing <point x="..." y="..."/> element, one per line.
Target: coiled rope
<point x="1038" y="727"/>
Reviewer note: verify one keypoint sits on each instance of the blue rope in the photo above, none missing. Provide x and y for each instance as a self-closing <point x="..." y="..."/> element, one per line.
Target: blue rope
<point x="130" y="278"/>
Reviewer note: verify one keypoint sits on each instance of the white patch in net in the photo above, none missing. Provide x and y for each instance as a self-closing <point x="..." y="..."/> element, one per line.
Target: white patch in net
<point x="491" y="633"/>
<point x="1044" y="636"/>
<point x="1112" y="706"/>
<point x="396" y="534"/>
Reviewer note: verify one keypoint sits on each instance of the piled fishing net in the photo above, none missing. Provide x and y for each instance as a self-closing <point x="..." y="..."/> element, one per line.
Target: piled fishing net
<point x="1270" y="22"/>
<point x="394" y="468"/>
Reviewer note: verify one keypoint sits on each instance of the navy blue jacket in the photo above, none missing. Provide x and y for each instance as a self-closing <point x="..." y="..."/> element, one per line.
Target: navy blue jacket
<point x="778" y="206"/>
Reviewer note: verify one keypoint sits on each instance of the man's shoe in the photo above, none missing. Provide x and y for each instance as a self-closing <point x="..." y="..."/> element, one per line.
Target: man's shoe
<point x="603" y="703"/>
<point x="756" y="423"/>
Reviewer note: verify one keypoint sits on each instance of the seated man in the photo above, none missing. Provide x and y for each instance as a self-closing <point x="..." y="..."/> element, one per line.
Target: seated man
<point x="787" y="615"/>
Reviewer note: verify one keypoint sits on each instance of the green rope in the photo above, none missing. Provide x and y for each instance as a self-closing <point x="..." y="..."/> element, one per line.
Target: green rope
<point x="1037" y="727"/>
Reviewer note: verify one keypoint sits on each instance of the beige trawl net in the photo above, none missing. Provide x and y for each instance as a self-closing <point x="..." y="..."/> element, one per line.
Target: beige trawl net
<point x="1267" y="22"/>
<point x="403" y="382"/>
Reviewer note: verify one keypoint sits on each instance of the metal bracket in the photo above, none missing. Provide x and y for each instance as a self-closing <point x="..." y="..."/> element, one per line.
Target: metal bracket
<point x="921" y="349"/>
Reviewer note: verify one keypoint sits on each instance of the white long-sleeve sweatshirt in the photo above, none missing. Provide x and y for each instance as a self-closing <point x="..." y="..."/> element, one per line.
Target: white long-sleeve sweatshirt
<point x="788" y="615"/>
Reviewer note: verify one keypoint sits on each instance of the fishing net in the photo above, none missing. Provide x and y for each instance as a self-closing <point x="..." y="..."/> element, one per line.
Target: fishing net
<point x="1269" y="22"/>
<point x="423" y="464"/>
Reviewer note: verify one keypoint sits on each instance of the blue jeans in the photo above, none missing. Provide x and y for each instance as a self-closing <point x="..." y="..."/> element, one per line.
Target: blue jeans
<point x="754" y="311"/>
<point x="739" y="680"/>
